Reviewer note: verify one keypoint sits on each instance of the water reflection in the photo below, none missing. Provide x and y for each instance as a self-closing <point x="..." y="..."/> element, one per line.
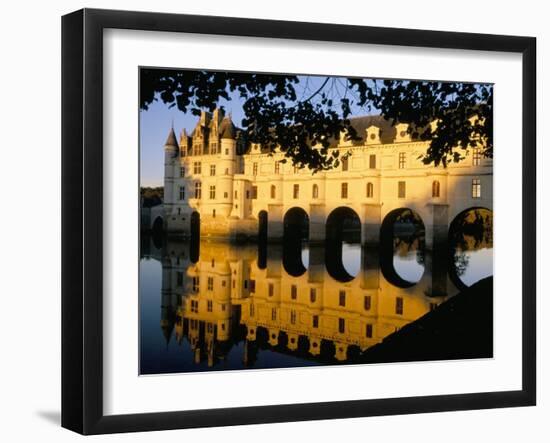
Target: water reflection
<point x="214" y="306"/>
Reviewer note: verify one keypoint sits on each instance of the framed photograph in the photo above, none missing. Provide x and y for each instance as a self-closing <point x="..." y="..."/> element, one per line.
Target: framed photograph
<point x="269" y="221"/>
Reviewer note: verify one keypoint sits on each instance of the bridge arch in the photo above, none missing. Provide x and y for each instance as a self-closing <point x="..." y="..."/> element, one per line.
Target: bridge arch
<point x="470" y="230"/>
<point x="401" y="228"/>
<point x="295" y="236"/>
<point x="157" y="225"/>
<point x="343" y="225"/>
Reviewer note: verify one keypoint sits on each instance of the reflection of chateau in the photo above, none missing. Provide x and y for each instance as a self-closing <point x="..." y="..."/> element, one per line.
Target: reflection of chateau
<point x="213" y="174"/>
<point x="225" y="298"/>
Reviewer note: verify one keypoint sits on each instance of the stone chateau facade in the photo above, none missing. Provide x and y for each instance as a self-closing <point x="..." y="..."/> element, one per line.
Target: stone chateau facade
<point x="211" y="177"/>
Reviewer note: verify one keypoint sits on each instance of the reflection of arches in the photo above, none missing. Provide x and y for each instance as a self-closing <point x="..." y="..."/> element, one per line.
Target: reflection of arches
<point x="470" y="230"/>
<point x="401" y="226"/>
<point x="157" y="231"/>
<point x="343" y="224"/>
<point x="295" y="233"/>
<point x="195" y="237"/>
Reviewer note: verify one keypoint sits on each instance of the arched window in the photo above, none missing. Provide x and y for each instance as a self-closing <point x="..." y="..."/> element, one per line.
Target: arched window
<point x="315" y="191"/>
<point x="435" y="188"/>
<point x="370" y="190"/>
<point x="273" y="191"/>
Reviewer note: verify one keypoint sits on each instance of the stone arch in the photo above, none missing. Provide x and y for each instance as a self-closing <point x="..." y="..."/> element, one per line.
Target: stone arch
<point x="479" y="229"/>
<point x="387" y="243"/>
<point x="158" y="225"/>
<point x="262" y="239"/>
<point x="295" y="234"/>
<point x="343" y="224"/>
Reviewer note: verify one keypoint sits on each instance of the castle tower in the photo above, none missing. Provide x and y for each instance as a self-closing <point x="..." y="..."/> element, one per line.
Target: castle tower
<point x="227" y="165"/>
<point x="171" y="154"/>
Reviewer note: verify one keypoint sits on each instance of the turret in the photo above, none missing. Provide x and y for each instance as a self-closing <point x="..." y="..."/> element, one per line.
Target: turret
<point x="171" y="151"/>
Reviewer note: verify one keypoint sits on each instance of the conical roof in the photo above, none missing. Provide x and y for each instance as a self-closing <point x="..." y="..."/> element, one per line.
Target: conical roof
<point x="171" y="140"/>
<point x="227" y="129"/>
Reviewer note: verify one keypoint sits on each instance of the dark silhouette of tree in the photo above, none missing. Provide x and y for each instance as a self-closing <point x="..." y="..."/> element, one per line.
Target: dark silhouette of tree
<point x="302" y="127"/>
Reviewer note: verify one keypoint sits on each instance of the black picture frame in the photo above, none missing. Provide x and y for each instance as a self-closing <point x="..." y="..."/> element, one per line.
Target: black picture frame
<point x="82" y="218"/>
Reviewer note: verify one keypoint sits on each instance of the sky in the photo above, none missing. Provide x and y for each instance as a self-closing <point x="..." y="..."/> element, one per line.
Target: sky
<point x="155" y="124"/>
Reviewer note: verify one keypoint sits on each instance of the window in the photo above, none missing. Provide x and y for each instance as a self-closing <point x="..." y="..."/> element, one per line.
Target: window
<point x="223" y="305"/>
<point x="401" y="160"/>
<point x="209" y="328"/>
<point x="235" y="194"/>
<point x="226" y="171"/>
<point x="213" y="213"/>
<point x="210" y="283"/>
<point x="296" y="169"/>
<point x="197" y="149"/>
<point x="252" y="285"/>
<point x="270" y="289"/>
<point x="368" y="331"/>
<point x="293" y="317"/>
<point x="315" y="191"/>
<point x="435" y="188"/>
<point x="401" y="190"/>
<point x="273" y="191"/>
<point x="225" y="195"/>
<point x="312" y="295"/>
<point x="213" y="148"/>
<point x="370" y="190"/>
<point x="277" y="167"/>
<point x="342" y="298"/>
<point x="212" y="192"/>
<point x="226" y="151"/>
<point x="254" y="168"/>
<point x="273" y="314"/>
<point x="296" y="191"/>
<point x="179" y="276"/>
<point x="367" y="302"/>
<point x="251" y="309"/>
<point x="254" y="192"/>
<point x="399" y="305"/>
<point x="182" y="152"/>
<point x="196" y="167"/>
<point x="198" y="190"/>
<point x="212" y="170"/>
<point x="476" y="157"/>
<point x="341" y="325"/>
<point x="345" y="164"/>
<point x="315" y="321"/>
<point x="293" y="292"/>
<point x="372" y="161"/>
<point x="209" y="306"/>
<point x="182" y="192"/>
<point x="182" y="171"/>
<point x="196" y="284"/>
<point x="344" y="190"/>
<point x="476" y="188"/>
<point x="194" y="306"/>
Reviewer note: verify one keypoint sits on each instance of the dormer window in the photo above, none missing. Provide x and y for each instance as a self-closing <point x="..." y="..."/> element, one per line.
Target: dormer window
<point x="401" y="133"/>
<point x="372" y="135"/>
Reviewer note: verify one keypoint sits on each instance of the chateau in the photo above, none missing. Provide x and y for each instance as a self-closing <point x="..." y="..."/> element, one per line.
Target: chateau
<point x="214" y="180"/>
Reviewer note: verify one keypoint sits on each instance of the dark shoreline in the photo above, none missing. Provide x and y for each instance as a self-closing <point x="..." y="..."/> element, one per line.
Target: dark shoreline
<point x="460" y="328"/>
